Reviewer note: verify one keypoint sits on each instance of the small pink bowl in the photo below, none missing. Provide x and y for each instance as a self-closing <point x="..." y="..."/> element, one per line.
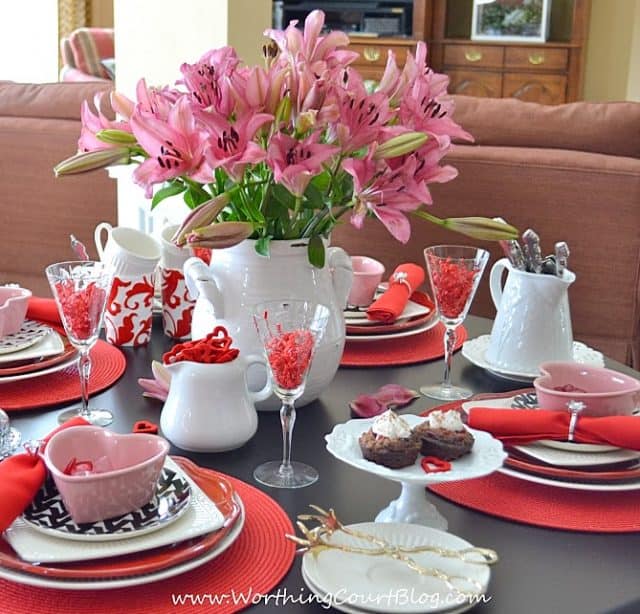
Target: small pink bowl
<point x="603" y="391"/>
<point x="13" y="309"/>
<point x="129" y="467"/>
<point x="367" y="274"/>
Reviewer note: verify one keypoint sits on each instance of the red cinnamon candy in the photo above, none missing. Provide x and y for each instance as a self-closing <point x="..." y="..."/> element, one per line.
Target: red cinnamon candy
<point x="453" y="284"/>
<point x="289" y="355"/>
<point x="214" y="348"/>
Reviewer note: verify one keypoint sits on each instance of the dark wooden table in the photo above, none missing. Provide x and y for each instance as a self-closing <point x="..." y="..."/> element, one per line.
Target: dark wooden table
<point x="540" y="571"/>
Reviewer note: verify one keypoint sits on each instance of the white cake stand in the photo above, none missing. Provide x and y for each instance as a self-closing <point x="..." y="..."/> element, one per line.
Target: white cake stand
<point x="412" y="505"/>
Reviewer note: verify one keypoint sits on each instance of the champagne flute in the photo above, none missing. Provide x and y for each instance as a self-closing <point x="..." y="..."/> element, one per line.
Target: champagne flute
<point x="290" y="331"/>
<point x="454" y="273"/>
<point x="81" y="289"/>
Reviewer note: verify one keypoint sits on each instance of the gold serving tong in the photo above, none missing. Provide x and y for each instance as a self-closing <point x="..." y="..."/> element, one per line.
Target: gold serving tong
<point x="315" y="541"/>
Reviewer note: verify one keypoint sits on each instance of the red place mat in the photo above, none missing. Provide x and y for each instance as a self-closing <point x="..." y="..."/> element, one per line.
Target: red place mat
<point x="253" y="565"/>
<point x="403" y="351"/>
<point x="540" y="505"/>
<point x="107" y="365"/>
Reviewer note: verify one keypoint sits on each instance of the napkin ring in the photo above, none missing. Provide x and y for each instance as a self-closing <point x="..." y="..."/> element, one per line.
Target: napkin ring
<point x="575" y="407"/>
<point x="400" y="277"/>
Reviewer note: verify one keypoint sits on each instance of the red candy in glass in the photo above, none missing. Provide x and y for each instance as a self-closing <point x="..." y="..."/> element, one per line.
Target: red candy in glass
<point x="82" y="309"/>
<point x="453" y="285"/>
<point x="289" y="356"/>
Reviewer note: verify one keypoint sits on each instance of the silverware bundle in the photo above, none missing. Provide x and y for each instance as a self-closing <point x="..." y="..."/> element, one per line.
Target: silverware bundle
<point x="529" y="257"/>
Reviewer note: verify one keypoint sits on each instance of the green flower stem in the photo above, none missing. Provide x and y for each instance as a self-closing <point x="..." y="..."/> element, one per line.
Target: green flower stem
<point x="317" y="220"/>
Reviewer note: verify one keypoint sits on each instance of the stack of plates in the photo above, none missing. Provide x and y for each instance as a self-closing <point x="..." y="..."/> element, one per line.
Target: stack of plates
<point x="417" y="317"/>
<point x="361" y="583"/>
<point x="565" y="464"/>
<point x="193" y="518"/>
<point x="33" y="351"/>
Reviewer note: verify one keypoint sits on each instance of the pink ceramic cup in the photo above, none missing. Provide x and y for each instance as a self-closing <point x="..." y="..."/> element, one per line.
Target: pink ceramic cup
<point x="367" y="274"/>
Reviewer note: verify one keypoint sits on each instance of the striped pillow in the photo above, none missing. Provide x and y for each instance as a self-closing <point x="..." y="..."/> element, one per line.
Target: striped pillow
<point x="89" y="46"/>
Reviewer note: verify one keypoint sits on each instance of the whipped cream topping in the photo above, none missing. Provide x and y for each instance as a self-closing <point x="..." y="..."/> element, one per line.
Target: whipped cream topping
<point x="389" y="424"/>
<point x="448" y="420"/>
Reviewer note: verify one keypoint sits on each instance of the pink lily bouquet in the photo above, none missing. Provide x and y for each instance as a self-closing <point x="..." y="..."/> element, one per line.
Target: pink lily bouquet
<point x="286" y="150"/>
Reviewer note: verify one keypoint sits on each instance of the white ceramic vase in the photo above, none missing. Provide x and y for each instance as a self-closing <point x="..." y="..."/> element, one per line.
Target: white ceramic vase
<point x="238" y="278"/>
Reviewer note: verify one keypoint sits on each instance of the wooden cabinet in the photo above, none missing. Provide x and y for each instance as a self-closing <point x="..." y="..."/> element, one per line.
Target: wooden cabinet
<point x="550" y="73"/>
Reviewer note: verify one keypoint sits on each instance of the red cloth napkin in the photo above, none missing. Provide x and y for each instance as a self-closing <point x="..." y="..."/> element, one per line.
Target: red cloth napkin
<point x="21" y="476"/>
<point x="44" y="310"/>
<point x="392" y="303"/>
<point x="515" y="426"/>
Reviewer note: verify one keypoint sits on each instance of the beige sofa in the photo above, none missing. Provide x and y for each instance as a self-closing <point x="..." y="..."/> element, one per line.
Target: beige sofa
<point x="570" y="172"/>
<point x="39" y="126"/>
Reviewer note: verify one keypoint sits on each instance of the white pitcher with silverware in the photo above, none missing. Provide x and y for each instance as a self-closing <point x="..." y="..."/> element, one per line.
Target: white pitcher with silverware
<point x="533" y="320"/>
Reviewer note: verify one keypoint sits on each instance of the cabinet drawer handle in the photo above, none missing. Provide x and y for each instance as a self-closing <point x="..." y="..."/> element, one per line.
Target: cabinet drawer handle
<point x="473" y="56"/>
<point x="536" y="59"/>
<point x="371" y="54"/>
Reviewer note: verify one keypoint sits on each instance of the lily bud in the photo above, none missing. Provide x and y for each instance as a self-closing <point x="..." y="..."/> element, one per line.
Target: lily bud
<point x="202" y="215"/>
<point x="116" y="137"/>
<point x="400" y="145"/>
<point x="283" y="111"/>
<point x="220" y="235"/>
<point x="481" y="228"/>
<point x="92" y="160"/>
<point x="306" y="121"/>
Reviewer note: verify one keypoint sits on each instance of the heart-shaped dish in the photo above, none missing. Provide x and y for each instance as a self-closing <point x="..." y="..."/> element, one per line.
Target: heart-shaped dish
<point x="13" y="309"/>
<point x="122" y="470"/>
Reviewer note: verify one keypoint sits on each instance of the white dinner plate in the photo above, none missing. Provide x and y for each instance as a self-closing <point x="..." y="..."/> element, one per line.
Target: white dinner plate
<point x="401" y="333"/>
<point x="599" y="486"/>
<point x="485" y="457"/>
<point x="387" y="585"/>
<point x="474" y="350"/>
<point x="109" y="583"/>
<point x="47" y="343"/>
<point x="563" y="453"/>
<point x="54" y="369"/>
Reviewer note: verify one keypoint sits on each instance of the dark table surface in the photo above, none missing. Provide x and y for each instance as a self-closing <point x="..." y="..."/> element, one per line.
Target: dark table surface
<point x="540" y="570"/>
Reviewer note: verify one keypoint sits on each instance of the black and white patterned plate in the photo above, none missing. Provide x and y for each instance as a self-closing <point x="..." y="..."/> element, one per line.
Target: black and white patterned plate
<point x="30" y="333"/>
<point x="47" y="513"/>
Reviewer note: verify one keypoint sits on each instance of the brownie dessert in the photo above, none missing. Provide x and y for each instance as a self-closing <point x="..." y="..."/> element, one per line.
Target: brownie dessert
<point x="390" y="442"/>
<point x="443" y="435"/>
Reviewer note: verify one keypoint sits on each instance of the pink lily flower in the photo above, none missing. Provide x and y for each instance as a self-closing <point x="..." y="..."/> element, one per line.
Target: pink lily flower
<point x="231" y="145"/>
<point x="154" y="101"/>
<point x="389" y="396"/>
<point x="361" y="119"/>
<point x="158" y="387"/>
<point x="208" y="80"/>
<point x="92" y="123"/>
<point x="295" y="163"/>
<point x="258" y="89"/>
<point x="388" y="194"/>
<point x="175" y="147"/>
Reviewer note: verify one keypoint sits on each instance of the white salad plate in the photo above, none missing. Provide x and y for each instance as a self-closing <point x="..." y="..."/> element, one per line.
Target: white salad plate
<point x="386" y="585"/>
<point x="201" y="516"/>
<point x="359" y="318"/>
<point x="44" y="342"/>
<point x="474" y="350"/>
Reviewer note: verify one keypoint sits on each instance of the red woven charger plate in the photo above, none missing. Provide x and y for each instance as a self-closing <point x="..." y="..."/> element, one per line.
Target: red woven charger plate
<point x="544" y="506"/>
<point x="107" y="365"/>
<point x="252" y="566"/>
<point x="403" y="351"/>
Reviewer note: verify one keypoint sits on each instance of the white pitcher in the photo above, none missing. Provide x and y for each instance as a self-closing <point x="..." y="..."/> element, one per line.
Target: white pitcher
<point x="238" y="278"/>
<point x="533" y="321"/>
<point x="210" y="407"/>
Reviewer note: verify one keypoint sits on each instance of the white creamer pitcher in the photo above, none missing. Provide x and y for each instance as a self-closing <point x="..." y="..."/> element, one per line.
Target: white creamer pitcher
<point x="210" y="407"/>
<point x="533" y="321"/>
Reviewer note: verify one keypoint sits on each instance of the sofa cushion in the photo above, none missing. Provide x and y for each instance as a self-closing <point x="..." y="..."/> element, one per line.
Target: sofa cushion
<point x="89" y="46"/>
<point x="609" y="128"/>
<point x="50" y="100"/>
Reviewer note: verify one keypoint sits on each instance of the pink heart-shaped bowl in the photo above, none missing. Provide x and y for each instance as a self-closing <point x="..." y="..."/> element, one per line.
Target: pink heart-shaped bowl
<point x="13" y="309"/>
<point x="603" y="391"/>
<point x="120" y="471"/>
